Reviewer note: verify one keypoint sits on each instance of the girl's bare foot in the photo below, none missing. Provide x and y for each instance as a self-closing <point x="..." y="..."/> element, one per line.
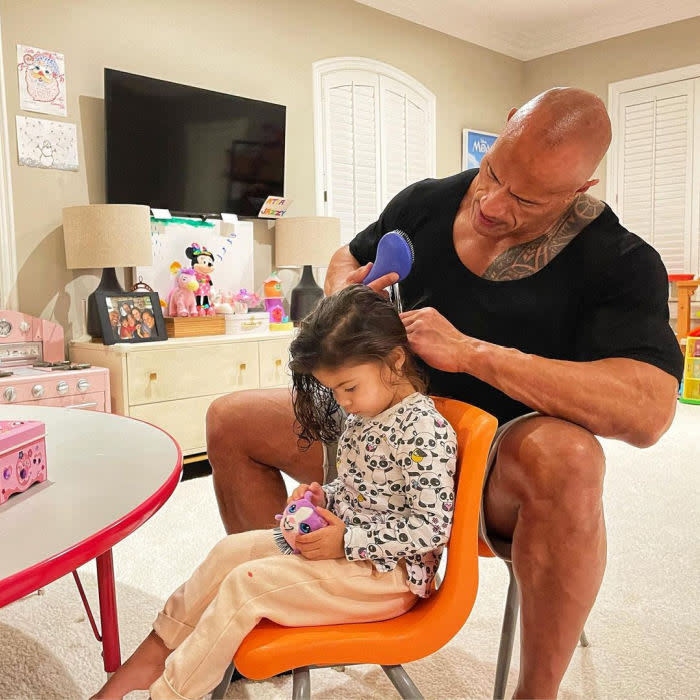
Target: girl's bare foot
<point x="139" y="672"/>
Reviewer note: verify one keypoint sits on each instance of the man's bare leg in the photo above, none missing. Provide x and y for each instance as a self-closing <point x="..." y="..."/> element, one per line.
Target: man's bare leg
<point x="250" y="438"/>
<point x="545" y="491"/>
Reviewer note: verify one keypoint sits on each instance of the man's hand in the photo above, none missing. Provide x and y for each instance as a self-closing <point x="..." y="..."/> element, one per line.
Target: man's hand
<point x="344" y="270"/>
<point x="326" y="543"/>
<point x="318" y="496"/>
<point x="435" y="339"/>
<point x="357" y="276"/>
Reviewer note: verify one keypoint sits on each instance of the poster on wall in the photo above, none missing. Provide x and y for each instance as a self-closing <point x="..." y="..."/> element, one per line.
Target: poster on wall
<point x="42" y="143"/>
<point x="474" y="145"/>
<point x="42" y="80"/>
<point x="231" y="246"/>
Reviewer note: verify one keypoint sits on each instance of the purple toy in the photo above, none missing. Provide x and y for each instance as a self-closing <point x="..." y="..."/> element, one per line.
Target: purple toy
<point x="299" y="517"/>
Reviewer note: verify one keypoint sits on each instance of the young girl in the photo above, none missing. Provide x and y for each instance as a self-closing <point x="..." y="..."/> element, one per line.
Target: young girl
<point x="389" y="511"/>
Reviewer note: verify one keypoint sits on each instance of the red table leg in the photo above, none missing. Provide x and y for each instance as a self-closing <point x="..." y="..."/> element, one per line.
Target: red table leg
<point x="111" y="652"/>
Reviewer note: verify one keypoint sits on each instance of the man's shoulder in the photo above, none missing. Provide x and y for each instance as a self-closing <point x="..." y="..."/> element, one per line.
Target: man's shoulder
<point x="607" y="237"/>
<point x="608" y="250"/>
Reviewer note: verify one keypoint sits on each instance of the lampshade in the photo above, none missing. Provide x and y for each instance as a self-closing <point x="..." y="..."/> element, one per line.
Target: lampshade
<point x="107" y="235"/>
<point x="306" y="240"/>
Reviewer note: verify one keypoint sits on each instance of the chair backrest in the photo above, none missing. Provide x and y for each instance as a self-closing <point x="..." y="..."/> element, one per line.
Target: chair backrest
<point x="455" y="597"/>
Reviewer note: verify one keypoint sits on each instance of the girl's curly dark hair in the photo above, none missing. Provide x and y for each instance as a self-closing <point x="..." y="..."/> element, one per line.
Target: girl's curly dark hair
<point x="353" y="326"/>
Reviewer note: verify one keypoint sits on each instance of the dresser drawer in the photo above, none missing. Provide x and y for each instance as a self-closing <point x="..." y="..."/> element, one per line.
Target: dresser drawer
<point x="183" y="419"/>
<point x="274" y="358"/>
<point x="168" y="374"/>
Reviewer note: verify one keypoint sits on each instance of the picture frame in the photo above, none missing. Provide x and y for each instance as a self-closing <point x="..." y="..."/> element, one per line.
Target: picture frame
<point x="120" y="324"/>
<point x="474" y="145"/>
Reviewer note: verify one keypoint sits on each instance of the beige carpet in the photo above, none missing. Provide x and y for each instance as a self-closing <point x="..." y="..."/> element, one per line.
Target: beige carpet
<point x="644" y="628"/>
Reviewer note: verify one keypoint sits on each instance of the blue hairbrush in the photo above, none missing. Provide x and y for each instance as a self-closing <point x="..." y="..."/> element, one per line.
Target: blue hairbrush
<point x="394" y="254"/>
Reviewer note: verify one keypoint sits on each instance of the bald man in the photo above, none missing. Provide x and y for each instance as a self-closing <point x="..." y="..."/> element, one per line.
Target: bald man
<point x="529" y="299"/>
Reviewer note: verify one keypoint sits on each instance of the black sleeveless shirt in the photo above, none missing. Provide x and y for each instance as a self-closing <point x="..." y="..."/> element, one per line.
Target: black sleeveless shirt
<point x="604" y="295"/>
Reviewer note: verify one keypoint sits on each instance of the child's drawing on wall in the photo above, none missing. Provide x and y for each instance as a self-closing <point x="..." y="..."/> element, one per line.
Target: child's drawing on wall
<point x="42" y="143"/>
<point x="42" y="80"/>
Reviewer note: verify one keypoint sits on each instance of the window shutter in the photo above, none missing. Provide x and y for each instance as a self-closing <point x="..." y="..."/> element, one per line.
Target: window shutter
<point x="351" y="100"/>
<point x="655" y="173"/>
<point x="376" y="136"/>
<point x="405" y="137"/>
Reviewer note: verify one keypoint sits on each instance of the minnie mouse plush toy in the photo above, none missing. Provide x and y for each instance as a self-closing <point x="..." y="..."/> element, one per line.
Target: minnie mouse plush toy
<point x="203" y="263"/>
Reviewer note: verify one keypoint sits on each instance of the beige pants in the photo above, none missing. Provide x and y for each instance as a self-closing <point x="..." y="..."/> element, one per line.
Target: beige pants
<point x="245" y="578"/>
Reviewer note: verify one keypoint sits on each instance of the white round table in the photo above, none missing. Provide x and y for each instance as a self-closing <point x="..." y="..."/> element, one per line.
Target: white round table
<point x="106" y="475"/>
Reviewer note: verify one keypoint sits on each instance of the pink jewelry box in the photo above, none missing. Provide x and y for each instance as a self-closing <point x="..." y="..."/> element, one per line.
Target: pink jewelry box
<point x="22" y="456"/>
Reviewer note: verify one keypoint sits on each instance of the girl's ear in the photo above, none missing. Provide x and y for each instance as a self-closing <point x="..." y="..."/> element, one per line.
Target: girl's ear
<point x="397" y="359"/>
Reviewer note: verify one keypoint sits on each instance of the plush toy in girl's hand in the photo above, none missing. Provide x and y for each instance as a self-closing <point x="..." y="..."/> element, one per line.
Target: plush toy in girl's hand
<point x="299" y="518"/>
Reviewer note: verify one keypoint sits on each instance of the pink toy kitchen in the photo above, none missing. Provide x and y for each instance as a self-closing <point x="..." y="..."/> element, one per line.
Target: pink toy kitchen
<point x="34" y="371"/>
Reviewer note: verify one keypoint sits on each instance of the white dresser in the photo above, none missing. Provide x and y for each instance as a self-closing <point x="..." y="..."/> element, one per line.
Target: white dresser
<point x="171" y="383"/>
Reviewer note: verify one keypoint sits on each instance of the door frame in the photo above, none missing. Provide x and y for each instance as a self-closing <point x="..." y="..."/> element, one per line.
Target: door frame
<point x="8" y="250"/>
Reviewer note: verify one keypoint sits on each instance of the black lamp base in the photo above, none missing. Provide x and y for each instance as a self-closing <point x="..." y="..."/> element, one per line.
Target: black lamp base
<point x="110" y="284"/>
<point x="304" y="296"/>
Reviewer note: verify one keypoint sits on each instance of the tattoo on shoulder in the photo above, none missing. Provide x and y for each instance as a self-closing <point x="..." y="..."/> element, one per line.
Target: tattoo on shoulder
<point x="524" y="260"/>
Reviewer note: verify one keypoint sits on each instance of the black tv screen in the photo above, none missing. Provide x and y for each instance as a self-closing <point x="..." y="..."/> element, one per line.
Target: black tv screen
<point x="190" y="150"/>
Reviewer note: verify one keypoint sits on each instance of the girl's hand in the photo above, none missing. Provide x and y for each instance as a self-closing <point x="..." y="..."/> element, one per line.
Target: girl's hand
<point x="318" y="496"/>
<point x="326" y="543"/>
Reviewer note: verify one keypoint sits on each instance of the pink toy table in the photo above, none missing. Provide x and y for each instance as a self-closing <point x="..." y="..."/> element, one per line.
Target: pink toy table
<point x="107" y="475"/>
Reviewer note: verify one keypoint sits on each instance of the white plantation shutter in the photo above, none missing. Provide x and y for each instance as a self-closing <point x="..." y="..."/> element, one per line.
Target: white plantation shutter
<point x="375" y="136"/>
<point x="351" y="163"/>
<point x="404" y="137"/>
<point x="655" y="172"/>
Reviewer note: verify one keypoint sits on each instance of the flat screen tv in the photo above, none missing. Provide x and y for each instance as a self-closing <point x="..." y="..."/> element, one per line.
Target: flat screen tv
<point x="189" y="150"/>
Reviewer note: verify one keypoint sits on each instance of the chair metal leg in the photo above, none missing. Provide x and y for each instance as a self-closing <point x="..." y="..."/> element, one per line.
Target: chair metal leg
<point x="220" y="690"/>
<point x="505" y="649"/>
<point x="406" y="687"/>
<point x="584" y="640"/>
<point x="301" y="683"/>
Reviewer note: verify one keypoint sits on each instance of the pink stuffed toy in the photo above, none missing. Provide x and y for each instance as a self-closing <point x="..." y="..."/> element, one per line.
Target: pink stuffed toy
<point x="299" y="518"/>
<point x="181" y="299"/>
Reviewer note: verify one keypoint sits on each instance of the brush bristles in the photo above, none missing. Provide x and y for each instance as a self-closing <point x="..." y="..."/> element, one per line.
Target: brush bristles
<point x="404" y="235"/>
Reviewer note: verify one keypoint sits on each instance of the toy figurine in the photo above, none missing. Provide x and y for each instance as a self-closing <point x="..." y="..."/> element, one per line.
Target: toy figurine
<point x="203" y="264"/>
<point x="243" y="300"/>
<point x="299" y="517"/>
<point x="181" y="298"/>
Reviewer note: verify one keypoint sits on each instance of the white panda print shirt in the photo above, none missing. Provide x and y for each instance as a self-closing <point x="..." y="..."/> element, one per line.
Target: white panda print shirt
<point x="395" y="488"/>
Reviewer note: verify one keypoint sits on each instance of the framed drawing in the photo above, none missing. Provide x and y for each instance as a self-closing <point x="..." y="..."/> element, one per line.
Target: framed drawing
<point x="474" y="145"/>
<point x="130" y="317"/>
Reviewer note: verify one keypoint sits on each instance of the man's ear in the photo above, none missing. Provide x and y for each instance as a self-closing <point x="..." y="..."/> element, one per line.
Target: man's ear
<point x="511" y="113"/>
<point x="587" y="186"/>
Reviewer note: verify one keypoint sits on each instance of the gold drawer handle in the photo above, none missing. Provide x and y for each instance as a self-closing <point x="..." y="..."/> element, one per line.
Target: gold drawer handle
<point x="243" y="366"/>
<point x="278" y="363"/>
<point x="153" y="377"/>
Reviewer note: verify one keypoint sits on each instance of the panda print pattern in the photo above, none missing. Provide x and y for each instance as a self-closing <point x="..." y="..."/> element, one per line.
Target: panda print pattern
<point x="395" y="488"/>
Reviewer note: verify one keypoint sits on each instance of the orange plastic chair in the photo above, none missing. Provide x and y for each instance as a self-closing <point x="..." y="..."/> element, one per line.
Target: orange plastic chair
<point x="270" y="649"/>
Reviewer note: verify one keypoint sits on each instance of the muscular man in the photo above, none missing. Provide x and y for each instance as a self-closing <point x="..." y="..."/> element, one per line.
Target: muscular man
<point x="530" y="300"/>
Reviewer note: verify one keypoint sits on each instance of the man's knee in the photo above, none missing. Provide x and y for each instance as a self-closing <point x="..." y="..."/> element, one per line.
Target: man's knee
<point x="556" y="462"/>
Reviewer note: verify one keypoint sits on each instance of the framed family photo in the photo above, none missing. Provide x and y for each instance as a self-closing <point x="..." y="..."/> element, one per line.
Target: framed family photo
<point x="474" y="145"/>
<point x="130" y="317"/>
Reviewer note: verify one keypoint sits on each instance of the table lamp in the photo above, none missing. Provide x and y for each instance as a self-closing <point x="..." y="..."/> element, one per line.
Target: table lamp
<point x="106" y="236"/>
<point x="307" y="241"/>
